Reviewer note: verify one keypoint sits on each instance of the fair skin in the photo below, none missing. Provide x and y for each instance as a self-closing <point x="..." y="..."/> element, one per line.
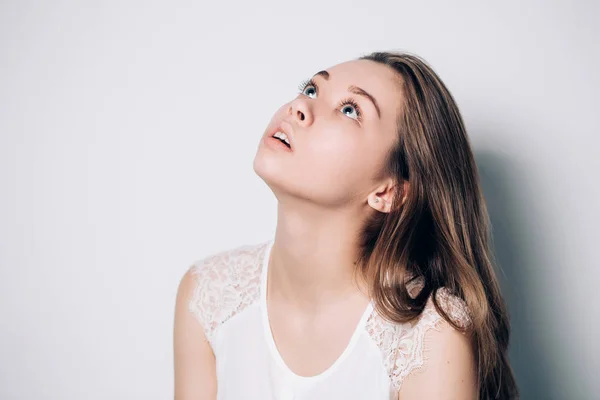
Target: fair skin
<point x="326" y="188"/>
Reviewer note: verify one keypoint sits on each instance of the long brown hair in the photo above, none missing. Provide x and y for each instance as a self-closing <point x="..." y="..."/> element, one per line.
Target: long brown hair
<point x="441" y="232"/>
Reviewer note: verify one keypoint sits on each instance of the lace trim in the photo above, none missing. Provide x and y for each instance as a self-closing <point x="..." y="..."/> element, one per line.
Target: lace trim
<point x="226" y="283"/>
<point x="229" y="281"/>
<point x="402" y="345"/>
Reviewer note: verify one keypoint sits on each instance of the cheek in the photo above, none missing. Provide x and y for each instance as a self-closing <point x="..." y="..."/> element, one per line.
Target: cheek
<point x="334" y="141"/>
<point x="341" y="155"/>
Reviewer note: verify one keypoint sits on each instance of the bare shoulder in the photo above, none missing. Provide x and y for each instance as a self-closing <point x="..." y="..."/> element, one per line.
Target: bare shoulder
<point x="448" y="370"/>
<point x="194" y="361"/>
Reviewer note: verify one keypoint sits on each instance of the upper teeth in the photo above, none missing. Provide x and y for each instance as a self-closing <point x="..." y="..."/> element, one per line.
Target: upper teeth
<point x="282" y="136"/>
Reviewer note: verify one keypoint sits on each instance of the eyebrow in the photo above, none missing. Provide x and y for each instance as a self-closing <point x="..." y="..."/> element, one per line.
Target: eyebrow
<point x="354" y="89"/>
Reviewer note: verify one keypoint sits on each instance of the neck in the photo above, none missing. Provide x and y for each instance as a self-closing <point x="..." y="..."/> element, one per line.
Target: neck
<point x="313" y="256"/>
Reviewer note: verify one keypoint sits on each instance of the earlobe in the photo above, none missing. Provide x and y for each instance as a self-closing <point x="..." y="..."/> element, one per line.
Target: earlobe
<point x="380" y="204"/>
<point x="382" y="198"/>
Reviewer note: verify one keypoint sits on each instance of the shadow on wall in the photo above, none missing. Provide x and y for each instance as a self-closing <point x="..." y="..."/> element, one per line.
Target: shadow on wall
<point x="518" y="262"/>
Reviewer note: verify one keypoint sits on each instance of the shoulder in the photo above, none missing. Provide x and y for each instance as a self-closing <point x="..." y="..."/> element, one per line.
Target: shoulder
<point x="413" y="347"/>
<point x="228" y="264"/>
<point x="224" y="283"/>
<point x="446" y="367"/>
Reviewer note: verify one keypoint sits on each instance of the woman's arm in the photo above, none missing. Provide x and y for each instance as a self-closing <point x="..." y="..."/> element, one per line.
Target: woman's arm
<point x="449" y="369"/>
<point x="194" y="361"/>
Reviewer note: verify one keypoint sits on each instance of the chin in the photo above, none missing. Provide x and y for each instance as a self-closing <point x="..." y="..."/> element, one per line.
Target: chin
<point x="267" y="169"/>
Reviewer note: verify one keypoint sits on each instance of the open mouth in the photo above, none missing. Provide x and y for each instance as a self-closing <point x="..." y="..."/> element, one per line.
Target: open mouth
<point x="281" y="136"/>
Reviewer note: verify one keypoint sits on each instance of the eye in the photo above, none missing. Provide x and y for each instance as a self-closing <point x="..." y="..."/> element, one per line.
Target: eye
<point x="310" y="91"/>
<point x="350" y="108"/>
<point x="309" y="88"/>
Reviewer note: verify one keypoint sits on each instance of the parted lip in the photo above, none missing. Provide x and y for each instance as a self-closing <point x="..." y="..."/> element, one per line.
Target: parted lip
<point x="285" y="127"/>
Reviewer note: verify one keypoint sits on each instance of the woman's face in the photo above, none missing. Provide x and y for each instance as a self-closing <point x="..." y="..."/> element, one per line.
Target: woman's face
<point x="341" y="127"/>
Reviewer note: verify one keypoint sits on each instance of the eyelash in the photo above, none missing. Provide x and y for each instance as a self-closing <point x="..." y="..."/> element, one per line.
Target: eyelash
<point x="350" y="101"/>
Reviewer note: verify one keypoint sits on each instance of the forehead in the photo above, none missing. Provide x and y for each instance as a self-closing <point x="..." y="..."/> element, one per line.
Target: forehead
<point x="381" y="81"/>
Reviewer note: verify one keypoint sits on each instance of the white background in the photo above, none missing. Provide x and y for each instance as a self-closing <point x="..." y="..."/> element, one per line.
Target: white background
<point x="127" y="135"/>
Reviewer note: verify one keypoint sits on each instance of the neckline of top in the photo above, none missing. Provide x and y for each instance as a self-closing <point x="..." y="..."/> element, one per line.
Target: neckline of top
<point x="291" y="375"/>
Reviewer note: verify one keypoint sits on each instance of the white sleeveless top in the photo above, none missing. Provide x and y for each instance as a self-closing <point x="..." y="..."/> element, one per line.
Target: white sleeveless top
<point x="230" y="303"/>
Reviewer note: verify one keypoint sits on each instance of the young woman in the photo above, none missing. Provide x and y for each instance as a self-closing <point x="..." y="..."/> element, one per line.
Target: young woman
<point x="379" y="280"/>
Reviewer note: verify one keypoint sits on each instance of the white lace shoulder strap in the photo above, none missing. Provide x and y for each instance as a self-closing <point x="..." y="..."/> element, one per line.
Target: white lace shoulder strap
<point x="226" y="283"/>
<point x="402" y="345"/>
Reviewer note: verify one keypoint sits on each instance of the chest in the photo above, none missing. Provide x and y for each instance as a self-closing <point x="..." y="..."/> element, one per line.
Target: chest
<point x="250" y="366"/>
<point x="309" y="345"/>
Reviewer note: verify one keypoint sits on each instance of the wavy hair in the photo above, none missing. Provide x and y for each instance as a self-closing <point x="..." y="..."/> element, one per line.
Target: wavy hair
<point x="441" y="233"/>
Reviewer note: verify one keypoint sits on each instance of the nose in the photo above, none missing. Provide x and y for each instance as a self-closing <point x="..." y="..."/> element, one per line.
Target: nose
<point x="300" y="112"/>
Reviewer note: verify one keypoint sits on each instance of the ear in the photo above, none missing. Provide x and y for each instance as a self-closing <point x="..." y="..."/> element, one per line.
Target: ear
<point x="381" y="198"/>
